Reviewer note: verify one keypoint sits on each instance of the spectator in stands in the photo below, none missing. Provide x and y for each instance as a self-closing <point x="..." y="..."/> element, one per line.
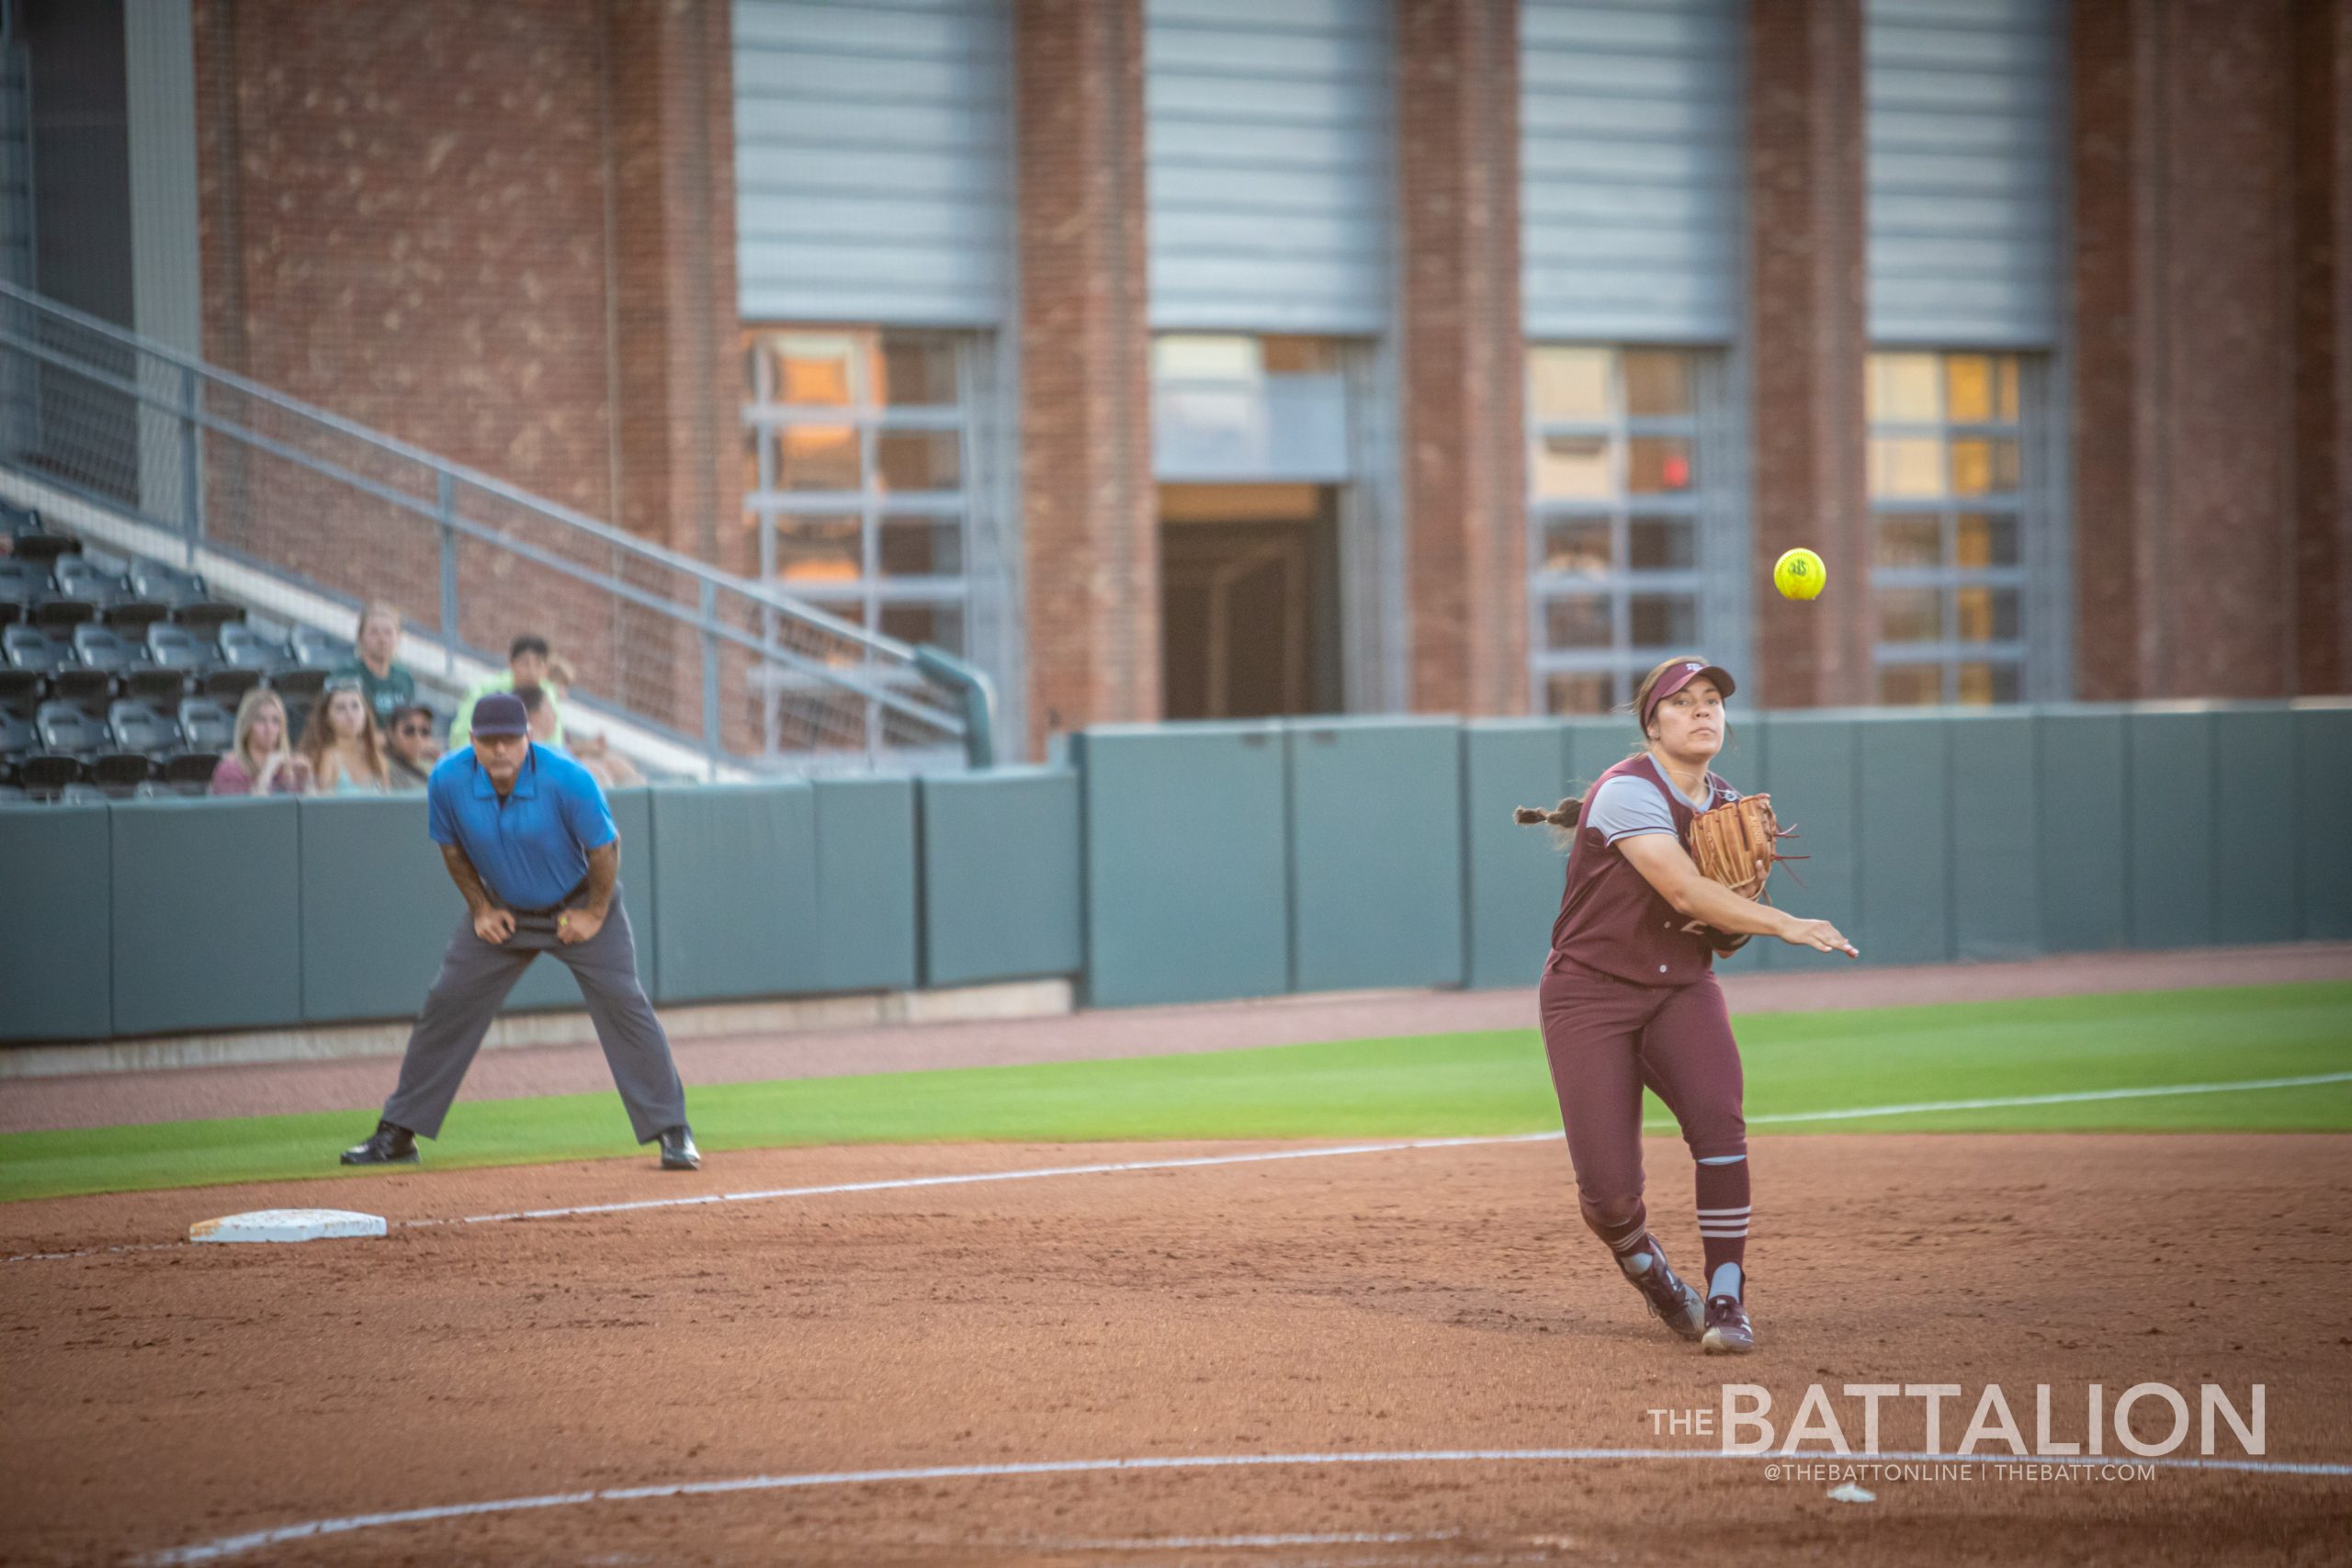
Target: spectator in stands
<point x="593" y="752"/>
<point x="411" y="746"/>
<point x="526" y="665"/>
<point x="345" y="753"/>
<point x="388" y="687"/>
<point x="258" y="762"/>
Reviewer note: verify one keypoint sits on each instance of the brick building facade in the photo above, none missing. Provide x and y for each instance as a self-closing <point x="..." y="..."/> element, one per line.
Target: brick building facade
<point x="1313" y="335"/>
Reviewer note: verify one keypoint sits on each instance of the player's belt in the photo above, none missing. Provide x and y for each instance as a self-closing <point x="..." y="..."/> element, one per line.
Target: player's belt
<point x="557" y="908"/>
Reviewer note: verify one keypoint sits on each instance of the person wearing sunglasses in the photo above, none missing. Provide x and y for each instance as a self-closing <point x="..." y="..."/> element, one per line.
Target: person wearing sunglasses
<point x="412" y="745"/>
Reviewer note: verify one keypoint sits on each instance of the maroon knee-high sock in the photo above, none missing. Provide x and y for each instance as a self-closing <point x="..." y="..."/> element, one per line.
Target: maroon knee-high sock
<point x="1723" y="1214"/>
<point x="1624" y="1235"/>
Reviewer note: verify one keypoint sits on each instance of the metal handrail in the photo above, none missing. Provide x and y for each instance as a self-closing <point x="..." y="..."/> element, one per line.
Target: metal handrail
<point x="967" y="720"/>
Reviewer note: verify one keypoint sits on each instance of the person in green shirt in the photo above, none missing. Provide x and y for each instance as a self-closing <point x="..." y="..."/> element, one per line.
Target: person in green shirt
<point x="526" y="665"/>
<point x="388" y="687"/>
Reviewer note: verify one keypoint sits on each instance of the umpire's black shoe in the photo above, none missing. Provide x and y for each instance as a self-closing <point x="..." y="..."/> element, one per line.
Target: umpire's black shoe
<point x="678" y="1151"/>
<point x="387" y="1146"/>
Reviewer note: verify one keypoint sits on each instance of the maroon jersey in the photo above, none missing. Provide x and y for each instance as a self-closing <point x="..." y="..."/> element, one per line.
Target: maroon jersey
<point x="1610" y="919"/>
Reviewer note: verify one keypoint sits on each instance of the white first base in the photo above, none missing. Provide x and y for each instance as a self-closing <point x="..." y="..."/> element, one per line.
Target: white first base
<point x="288" y="1224"/>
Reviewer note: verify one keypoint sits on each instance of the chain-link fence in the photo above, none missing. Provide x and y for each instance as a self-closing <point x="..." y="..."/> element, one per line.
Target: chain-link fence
<point x="328" y="510"/>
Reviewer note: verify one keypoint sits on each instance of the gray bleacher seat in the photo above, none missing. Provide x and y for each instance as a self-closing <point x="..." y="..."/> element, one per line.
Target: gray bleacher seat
<point x="246" y="648"/>
<point x="313" y="645"/>
<point x="44" y="546"/>
<point x="166" y="585"/>
<point x="206" y="725"/>
<point x="79" y="577"/>
<point x="29" y="648"/>
<point x="69" y="729"/>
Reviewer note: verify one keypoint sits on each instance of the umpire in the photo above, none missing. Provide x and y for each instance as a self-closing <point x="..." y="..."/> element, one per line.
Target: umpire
<point x="529" y="840"/>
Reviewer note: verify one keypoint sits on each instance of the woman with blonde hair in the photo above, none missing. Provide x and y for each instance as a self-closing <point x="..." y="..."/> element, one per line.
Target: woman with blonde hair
<point x="342" y="743"/>
<point x="258" y="762"/>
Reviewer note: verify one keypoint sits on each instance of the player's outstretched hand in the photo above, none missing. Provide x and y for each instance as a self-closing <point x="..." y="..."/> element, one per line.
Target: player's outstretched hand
<point x="495" y="925"/>
<point x="1819" y="935"/>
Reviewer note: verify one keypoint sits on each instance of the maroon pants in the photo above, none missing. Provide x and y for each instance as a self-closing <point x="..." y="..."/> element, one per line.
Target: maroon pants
<point x="1606" y="1039"/>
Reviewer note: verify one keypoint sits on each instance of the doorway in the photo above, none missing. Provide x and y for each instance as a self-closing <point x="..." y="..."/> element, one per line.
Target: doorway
<point x="1250" y="600"/>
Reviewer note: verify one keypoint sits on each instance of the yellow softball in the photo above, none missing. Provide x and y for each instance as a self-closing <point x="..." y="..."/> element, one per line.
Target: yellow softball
<point x="1800" y="575"/>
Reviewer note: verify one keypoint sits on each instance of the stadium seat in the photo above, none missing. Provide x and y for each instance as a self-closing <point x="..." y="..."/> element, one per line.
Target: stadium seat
<point x="228" y="687"/>
<point x="191" y="772"/>
<point x="18" y="740"/>
<point x="313" y="645"/>
<point x="139" y="728"/>
<point x="29" y="648"/>
<point x="103" y="647"/>
<point x="46" y="774"/>
<point x="166" y="585"/>
<point x="22" y="582"/>
<point x="63" y="615"/>
<point x="243" y="648"/>
<point x="82" y="795"/>
<point x="120" y="772"/>
<point x="206" y="725"/>
<point x="206" y="617"/>
<point x="174" y="657"/>
<point x="78" y="577"/>
<point x="17" y="521"/>
<point x="68" y="730"/>
<point x="177" y="647"/>
<point x="45" y="547"/>
<point x="21" y="690"/>
<point x="134" y="616"/>
<point x="300" y="685"/>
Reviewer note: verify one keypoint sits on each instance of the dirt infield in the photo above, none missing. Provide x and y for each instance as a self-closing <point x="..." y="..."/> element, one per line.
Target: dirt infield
<point x="1432" y="1299"/>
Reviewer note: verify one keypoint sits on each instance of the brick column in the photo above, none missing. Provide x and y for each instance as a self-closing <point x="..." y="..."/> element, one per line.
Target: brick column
<point x="1807" y="336"/>
<point x="1461" y="354"/>
<point x="1089" y="510"/>
<point x="2186" y="392"/>
<point x="2323" y="336"/>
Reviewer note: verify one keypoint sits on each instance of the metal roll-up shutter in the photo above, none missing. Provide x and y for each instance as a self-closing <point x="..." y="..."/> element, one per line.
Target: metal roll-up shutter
<point x="1268" y="155"/>
<point x="1631" y="141"/>
<point x="1964" y="100"/>
<point x="873" y="161"/>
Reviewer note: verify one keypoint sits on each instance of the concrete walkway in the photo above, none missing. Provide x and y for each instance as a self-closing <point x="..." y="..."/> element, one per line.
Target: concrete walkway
<point x="359" y="1085"/>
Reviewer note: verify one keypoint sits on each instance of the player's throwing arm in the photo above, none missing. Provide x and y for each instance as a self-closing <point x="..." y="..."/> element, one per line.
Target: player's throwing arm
<point x="1667" y="867"/>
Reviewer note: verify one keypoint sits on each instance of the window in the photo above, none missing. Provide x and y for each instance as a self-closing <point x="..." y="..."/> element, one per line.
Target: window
<point x="859" y="458"/>
<point x="1954" y="521"/>
<point x="1617" y="477"/>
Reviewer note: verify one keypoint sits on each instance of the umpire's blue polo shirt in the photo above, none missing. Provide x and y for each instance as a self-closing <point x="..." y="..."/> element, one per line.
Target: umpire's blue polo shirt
<point x="531" y="848"/>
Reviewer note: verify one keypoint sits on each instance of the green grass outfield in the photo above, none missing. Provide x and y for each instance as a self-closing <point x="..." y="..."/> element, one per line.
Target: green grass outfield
<point x="1447" y="1085"/>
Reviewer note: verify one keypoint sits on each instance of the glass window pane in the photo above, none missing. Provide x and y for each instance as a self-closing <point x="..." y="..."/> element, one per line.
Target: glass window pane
<point x="815" y="368"/>
<point x="1911" y="686"/>
<point x="1987" y="615"/>
<point x="1983" y="683"/>
<point x="941" y="626"/>
<point x="1663" y="620"/>
<point x="1909" y="540"/>
<point x="1573" y="466"/>
<point x="918" y="459"/>
<point x="1661" y="543"/>
<point x="1968" y="389"/>
<point x="1985" y="538"/>
<point x="817" y="457"/>
<point x="1568" y="383"/>
<point x="921" y="547"/>
<point x="1906" y="466"/>
<point x="1192" y="355"/>
<point x="1657" y="383"/>
<point x="1300" y="355"/>
<point x="1909" y="614"/>
<point x="1658" y="465"/>
<point x="918" y="370"/>
<point x="1576" y="620"/>
<point x="1579" y="544"/>
<point x="1904" y="386"/>
<point x="1983" y="467"/>
<point x="813" y="550"/>
<point x="2005" y="401"/>
<point x="1582" y="691"/>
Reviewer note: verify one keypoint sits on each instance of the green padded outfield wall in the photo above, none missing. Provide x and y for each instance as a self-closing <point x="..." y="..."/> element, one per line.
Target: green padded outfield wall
<point x="56" y="922"/>
<point x="1995" y="836"/>
<point x="2255" y="862"/>
<point x="1811" y="768"/>
<point x="2082" y="800"/>
<point x="208" y="923"/>
<point x="378" y="908"/>
<point x="865" y="885"/>
<point x="1514" y="876"/>
<point x="1187" y="862"/>
<point x="1375" y="841"/>
<point x="1001" y="884"/>
<point x="734" y="891"/>
<point x="2169" y="840"/>
<point x="547" y="983"/>
<point x="1904" y="786"/>
<point x="2324" y="774"/>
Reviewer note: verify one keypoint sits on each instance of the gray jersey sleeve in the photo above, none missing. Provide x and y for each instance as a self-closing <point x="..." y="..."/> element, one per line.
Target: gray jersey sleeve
<point x="1626" y="806"/>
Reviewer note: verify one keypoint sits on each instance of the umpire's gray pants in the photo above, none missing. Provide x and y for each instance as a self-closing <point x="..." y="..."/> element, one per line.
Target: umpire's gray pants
<point x="475" y="977"/>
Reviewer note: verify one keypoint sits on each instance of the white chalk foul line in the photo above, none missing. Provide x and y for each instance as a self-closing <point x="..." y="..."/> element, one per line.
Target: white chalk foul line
<point x="236" y="1545"/>
<point x="976" y="1177"/>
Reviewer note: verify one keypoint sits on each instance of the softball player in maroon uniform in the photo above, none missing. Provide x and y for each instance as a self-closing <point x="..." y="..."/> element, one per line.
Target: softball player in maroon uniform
<point x="1630" y="999"/>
